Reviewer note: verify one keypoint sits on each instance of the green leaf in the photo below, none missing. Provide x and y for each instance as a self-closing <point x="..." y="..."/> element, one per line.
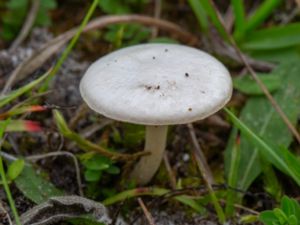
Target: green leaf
<point x="290" y="206"/>
<point x="292" y="220"/>
<point x="200" y="13"/>
<point x="15" y="169"/>
<point x="247" y="85"/>
<point x="209" y="9"/>
<point x="273" y="38"/>
<point x="267" y="217"/>
<point x="114" y="7"/>
<point x="98" y="162"/>
<point x="260" y="15"/>
<point x="17" y="11"/>
<point x="274" y="156"/>
<point x="280" y="215"/>
<point x="92" y="175"/>
<point x="260" y="117"/>
<point x="113" y="170"/>
<point x="15" y="4"/>
<point x="35" y="187"/>
<point x="278" y="55"/>
<point x="239" y="17"/>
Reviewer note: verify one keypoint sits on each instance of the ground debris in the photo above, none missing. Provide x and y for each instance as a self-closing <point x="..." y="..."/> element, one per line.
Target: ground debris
<point x="66" y="207"/>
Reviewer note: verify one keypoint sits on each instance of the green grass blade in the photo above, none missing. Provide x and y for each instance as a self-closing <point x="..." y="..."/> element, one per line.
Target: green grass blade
<point x="4" y="181"/>
<point x="214" y="17"/>
<point x="273" y="38"/>
<point x="122" y="196"/>
<point x="22" y="90"/>
<point x="266" y="123"/>
<point x="200" y="14"/>
<point x="71" y="45"/>
<point x="232" y="178"/>
<point x="247" y="85"/>
<point x="276" y="157"/>
<point x="260" y="15"/>
<point x="239" y="17"/>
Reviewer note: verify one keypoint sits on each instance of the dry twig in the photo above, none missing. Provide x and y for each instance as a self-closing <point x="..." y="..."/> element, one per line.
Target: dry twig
<point x="35" y="4"/>
<point x="200" y="157"/>
<point x="146" y="212"/>
<point x="171" y="174"/>
<point x="3" y="212"/>
<point x="157" y="12"/>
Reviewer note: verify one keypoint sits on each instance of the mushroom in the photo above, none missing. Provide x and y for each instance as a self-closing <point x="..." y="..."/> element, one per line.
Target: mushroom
<point x="156" y="85"/>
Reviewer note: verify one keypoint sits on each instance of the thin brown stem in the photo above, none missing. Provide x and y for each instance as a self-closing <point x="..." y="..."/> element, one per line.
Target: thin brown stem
<point x="171" y="174"/>
<point x="262" y="86"/>
<point x="146" y="212"/>
<point x="29" y="21"/>
<point x="200" y="157"/>
<point x="157" y="12"/>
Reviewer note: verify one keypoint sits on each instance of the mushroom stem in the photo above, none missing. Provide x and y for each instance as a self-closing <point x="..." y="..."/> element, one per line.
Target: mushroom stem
<point x="155" y="143"/>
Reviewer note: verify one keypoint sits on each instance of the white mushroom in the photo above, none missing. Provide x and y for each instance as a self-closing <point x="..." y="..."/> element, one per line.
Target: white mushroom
<point x="156" y="85"/>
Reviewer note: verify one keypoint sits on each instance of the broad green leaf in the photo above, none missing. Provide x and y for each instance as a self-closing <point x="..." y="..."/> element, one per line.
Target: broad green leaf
<point x="290" y="206"/>
<point x="98" y="162"/>
<point x="259" y="116"/>
<point x="35" y="187"/>
<point x="273" y="38"/>
<point x="113" y="170"/>
<point x="292" y="220"/>
<point x="287" y="206"/>
<point x="248" y="86"/>
<point x="92" y="175"/>
<point x="280" y="215"/>
<point x="278" y="55"/>
<point x="15" y="169"/>
<point x="274" y="156"/>
<point x="114" y="7"/>
<point x="267" y="217"/>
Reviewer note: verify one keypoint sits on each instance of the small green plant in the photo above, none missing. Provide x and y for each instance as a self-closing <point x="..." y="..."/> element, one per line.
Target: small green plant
<point x="124" y="34"/>
<point x="95" y="165"/>
<point x="16" y="12"/>
<point x="287" y="214"/>
<point x="15" y="169"/>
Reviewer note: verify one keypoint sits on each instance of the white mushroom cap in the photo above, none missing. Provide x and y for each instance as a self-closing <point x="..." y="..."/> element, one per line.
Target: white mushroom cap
<point x="156" y="84"/>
